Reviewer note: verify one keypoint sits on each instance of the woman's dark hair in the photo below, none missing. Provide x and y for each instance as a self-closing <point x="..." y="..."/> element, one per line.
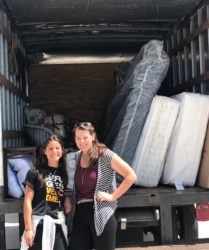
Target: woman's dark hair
<point x="97" y="148"/>
<point x="41" y="163"/>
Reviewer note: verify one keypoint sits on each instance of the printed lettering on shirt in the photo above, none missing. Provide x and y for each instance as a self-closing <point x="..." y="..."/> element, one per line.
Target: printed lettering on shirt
<point x="54" y="188"/>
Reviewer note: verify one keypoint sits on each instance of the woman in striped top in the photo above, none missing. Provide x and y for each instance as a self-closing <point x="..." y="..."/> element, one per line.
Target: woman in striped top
<point x="95" y="192"/>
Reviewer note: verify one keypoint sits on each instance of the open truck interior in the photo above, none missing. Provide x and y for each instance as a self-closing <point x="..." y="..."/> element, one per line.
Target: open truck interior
<point x="90" y="38"/>
<point x="63" y="57"/>
<point x="71" y="49"/>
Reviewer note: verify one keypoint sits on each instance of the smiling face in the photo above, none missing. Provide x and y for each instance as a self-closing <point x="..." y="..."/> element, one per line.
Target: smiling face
<point x="84" y="139"/>
<point x="53" y="153"/>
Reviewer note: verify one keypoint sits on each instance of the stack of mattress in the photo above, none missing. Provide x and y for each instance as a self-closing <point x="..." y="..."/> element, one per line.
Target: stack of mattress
<point x="128" y="110"/>
<point x="151" y="150"/>
<point x="187" y="140"/>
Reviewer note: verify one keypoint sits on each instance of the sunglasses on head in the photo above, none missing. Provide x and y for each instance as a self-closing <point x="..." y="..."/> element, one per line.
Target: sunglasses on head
<point x="83" y="124"/>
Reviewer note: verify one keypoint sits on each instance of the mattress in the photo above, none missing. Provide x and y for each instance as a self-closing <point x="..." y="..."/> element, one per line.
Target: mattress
<point x="128" y="110"/>
<point x="151" y="150"/>
<point x="203" y="174"/>
<point x="187" y="140"/>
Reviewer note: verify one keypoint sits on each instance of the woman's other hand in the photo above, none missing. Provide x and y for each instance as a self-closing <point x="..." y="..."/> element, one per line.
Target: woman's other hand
<point x="67" y="205"/>
<point x="29" y="237"/>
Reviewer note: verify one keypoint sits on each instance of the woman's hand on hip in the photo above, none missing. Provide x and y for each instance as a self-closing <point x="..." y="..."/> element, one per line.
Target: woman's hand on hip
<point x="104" y="196"/>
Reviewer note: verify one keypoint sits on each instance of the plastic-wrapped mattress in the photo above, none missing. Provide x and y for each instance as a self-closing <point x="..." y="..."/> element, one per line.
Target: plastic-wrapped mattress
<point x="151" y="150"/>
<point x="128" y="110"/>
<point x="187" y="140"/>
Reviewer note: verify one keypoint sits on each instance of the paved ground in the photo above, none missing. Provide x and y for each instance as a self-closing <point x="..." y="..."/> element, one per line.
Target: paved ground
<point x="202" y="246"/>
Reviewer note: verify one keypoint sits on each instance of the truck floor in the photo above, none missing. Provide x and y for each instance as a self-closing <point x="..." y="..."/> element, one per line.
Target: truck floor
<point x="201" y="246"/>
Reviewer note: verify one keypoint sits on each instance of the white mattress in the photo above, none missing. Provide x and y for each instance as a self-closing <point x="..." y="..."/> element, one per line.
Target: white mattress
<point x="150" y="154"/>
<point x="187" y="140"/>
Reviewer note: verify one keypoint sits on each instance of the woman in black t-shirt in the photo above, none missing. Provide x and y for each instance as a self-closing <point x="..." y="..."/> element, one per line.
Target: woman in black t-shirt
<point x="44" y="201"/>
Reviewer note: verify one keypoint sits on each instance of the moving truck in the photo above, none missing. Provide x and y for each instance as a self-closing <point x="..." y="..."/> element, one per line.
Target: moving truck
<point x="60" y="57"/>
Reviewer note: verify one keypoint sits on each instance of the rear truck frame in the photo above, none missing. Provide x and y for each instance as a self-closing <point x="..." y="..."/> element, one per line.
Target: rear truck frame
<point x="151" y="209"/>
<point x="168" y="213"/>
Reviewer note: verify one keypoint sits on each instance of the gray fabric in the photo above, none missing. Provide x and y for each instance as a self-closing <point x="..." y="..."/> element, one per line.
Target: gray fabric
<point x="128" y="110"/>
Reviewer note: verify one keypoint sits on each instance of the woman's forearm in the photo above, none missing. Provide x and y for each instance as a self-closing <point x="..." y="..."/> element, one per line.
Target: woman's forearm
<point x="27" y="214"/>
<point x="127" y="182"/>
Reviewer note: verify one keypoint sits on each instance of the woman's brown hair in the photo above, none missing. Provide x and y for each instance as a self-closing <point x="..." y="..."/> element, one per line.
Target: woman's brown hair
<point x="42" y="162"/>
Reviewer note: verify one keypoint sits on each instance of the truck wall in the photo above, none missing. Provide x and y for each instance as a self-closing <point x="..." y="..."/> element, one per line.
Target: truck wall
<point x="78" y="91"/>
<point x="188" y="48"/>
<point x="13" y="89"/>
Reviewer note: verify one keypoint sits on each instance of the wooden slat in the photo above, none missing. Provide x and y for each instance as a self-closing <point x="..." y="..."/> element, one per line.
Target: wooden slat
<point x="2" y="231"/>
<point x="5" y="82"/>
<point x="5" y="33"/>
<point x="187" y="85"/>
<point x="11" y="206"/>
<point x="11" y="134"/>
<point x="199" y="30"/>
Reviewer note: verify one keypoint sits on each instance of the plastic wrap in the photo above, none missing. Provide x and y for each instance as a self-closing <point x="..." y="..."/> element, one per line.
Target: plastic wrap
<point x="128" y="110"/>
<point x="151" y="150"/>
<point x="55" y="122"/>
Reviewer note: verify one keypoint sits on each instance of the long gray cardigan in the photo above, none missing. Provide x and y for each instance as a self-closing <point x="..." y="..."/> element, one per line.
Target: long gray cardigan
<point x="106" y="182"/>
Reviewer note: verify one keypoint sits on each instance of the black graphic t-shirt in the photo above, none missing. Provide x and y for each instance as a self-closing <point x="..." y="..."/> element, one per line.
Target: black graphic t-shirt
<point x="49" y="196"/>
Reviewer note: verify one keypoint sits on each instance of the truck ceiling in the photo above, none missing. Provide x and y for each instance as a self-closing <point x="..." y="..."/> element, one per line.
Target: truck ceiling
<point x="94" y="24"/>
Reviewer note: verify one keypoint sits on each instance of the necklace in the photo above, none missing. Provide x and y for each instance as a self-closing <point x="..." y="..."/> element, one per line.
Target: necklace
<point x="85" y="161"/>
<point x="84" y="168"/>
<point x="83" y="172"/>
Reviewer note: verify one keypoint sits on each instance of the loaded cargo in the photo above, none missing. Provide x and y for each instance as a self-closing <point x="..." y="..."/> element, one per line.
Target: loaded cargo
<point x="138" y="71"/>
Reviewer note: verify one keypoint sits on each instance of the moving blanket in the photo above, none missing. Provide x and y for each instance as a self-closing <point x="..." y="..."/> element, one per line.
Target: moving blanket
<point x="187" y="140"/>
<point x="129" y="108"/>
<point x="151" y="150"/>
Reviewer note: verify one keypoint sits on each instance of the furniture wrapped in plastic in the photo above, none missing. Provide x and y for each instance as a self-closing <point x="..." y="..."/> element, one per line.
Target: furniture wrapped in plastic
<point x="37" y="134"/>
<point x="128" y="110"/>
<point x="151" y="150"/>
<point x="203" y="174"/>
<point x="55" y="122"/>
<point x="187" y="140"/>
<point x="17" y="162"/>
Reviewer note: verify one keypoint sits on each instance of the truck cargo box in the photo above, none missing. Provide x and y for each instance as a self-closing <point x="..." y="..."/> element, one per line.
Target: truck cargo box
<point x="70" y="58"/>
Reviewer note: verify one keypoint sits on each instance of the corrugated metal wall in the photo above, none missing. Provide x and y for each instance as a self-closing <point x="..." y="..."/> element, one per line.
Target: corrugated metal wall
<point x="12" y="86"/>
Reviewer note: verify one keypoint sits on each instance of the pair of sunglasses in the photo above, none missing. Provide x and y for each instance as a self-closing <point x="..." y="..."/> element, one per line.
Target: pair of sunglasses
<point x="83" y="124"/>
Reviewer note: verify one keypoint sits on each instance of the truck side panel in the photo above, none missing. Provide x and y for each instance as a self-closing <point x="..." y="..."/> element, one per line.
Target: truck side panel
<point x="13" y="88"/>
